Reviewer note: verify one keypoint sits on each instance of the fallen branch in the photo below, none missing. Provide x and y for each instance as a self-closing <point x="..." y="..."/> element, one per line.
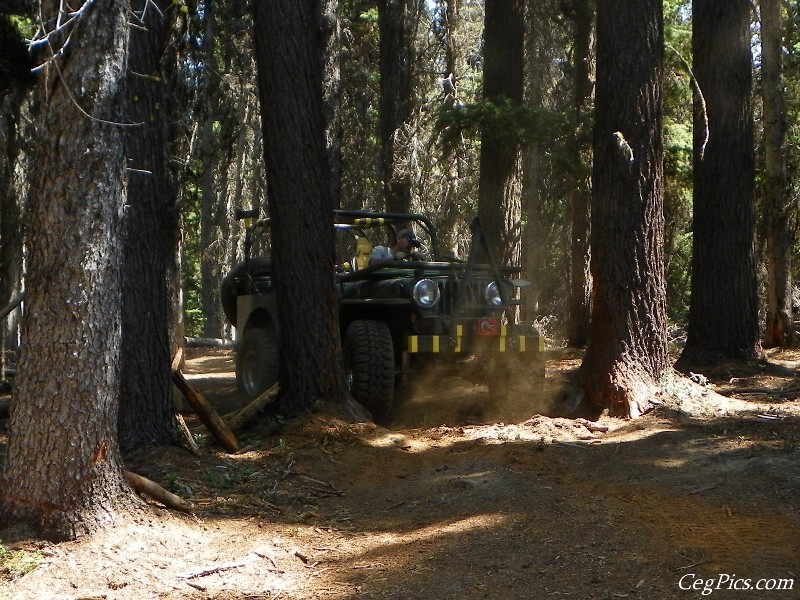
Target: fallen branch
<point x="239" y="418"/>
<point x="216" y="569"/>
<point x="204" y="410"/>
<point x="188" y="435"/>
<point x="756" y="391"/>
<point x="592" y="425"/>
<point x="573" y="444"/>
<point x="143" y="485"/>
<point x="15" y="302"/>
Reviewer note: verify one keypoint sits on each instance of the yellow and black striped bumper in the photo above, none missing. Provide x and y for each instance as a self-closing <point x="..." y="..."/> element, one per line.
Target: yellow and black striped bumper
<point x="427" y="344"/>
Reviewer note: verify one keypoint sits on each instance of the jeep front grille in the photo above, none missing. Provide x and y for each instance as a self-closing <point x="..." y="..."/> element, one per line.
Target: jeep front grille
<point x="473" y="302"/>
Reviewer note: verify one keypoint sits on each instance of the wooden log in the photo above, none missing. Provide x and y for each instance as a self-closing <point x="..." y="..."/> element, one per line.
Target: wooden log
<point x="239" y="418"/>
<point x="206" y="413"/>
<point x="204" y="410"/>
<point x="192" y="342"/>
<point x="143" y="485"/>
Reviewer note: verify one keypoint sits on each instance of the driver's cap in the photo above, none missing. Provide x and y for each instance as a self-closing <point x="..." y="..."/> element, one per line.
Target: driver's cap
<point x="409" y="235"/>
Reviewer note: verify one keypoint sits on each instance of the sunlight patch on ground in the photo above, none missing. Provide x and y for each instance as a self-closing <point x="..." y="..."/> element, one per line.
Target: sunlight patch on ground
<point x="482" y="521"/>
<point x="372" y="548"/>
<point x="670" y="463"/>
<point x="536" y="430"/>
<point x="383" y="438"/>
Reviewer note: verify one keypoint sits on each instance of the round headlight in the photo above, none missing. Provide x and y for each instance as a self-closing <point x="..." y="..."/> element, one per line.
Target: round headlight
<point x="426" y="293"/>
<point x="492" y="295"/>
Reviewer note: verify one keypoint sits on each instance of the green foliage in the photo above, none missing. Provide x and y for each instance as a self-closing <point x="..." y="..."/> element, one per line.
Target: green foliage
<point x="226" y="477"/>
<point x="501" y="121"/>
<point x="679" y="278"/>
<point x="678" y="152"/>
<point x="18" y="562"/>
<point x="190" y="268"/>
<point x="25" y="26"/>
<point x="370" y="15"/>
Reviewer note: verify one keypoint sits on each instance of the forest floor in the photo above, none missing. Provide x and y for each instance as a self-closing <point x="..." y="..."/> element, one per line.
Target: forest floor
<point x="698" y="498"/>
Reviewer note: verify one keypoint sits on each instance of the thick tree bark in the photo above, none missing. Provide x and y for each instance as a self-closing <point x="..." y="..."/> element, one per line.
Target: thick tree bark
<point x="498" y="196"/>
<point x="627" y="350"/>
<point x="63" y="475"/>
<point x="290" y="75"/>
<point x="150" y="226"/>
<point x="779" y="331"/>
<point x="723" y="312"/>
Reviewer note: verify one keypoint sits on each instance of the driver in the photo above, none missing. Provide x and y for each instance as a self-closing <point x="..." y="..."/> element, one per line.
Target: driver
<point x="402" y="249"/>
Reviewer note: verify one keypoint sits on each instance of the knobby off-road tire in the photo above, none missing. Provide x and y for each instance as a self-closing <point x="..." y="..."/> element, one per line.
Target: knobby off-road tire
<point x="369" y="366"/>
<point x="257" y="361"/>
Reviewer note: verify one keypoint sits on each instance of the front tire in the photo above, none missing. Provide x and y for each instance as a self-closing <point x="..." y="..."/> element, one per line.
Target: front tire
<point x="369" y="366"/>
<point x="257" y="365"/>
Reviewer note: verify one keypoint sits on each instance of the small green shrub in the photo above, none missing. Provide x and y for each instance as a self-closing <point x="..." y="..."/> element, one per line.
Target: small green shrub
<point x="18" y="562"/>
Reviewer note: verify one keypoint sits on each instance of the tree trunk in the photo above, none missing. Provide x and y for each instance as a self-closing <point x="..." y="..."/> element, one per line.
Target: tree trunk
<point x="146" y="409"/>
<point x="498" y="196"/>
<point x="15" y="79"/>
<point x="290" y="76"/>
<point x="723" y="312"/>
<point x="209" y="240"/>
<point x="579" y="278"/>
<point x="449" y="28"/>
<point x="331" y="94"/>
<point x="11" y="222"/>
<point x="538" y="65"/>
<point x="212" y="145"/>
<point x="397" y="21"/>
<point x="62" y="474"/>
<point x="627" y="350"/>
<point x="779" y="331"/>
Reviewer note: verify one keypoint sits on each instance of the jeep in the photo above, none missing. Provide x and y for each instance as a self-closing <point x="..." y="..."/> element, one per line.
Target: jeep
<point x="396" y="316"/>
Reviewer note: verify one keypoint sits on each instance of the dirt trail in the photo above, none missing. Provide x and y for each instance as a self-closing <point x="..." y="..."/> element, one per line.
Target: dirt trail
<point x="449" y="504"/>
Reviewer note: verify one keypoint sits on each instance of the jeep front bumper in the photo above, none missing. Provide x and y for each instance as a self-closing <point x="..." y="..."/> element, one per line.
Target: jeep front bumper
<point x="500" y="340"/>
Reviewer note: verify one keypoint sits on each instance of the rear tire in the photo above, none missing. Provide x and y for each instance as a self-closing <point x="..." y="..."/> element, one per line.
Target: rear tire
<point x="257" y="365"/>
<point x="369" y="366"/>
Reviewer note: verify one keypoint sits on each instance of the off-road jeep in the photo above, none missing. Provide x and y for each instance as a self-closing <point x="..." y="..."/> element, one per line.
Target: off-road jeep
<point x="395" y="315"/>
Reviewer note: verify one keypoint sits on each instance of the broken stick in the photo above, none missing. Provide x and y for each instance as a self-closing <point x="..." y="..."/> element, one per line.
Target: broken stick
<point x="204" y="410"/>
<point x="252" y="557"/>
